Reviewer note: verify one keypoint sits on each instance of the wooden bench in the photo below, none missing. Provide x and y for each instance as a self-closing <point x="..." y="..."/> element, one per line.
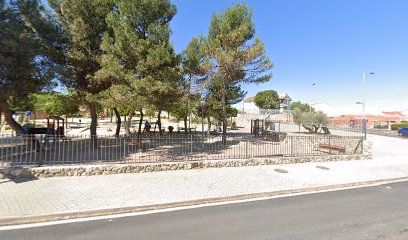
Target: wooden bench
<point x="339" y="149"/>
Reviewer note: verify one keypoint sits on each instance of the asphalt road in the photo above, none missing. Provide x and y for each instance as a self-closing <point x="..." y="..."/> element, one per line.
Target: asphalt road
<point x="379" y="212"/>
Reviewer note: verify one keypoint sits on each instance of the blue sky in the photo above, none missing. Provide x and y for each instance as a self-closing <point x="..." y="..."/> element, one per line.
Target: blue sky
<point x="327" y="42"/>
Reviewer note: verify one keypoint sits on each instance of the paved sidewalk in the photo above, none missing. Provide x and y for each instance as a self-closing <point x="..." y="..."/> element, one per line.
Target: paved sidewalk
<point x="59" y="195"/>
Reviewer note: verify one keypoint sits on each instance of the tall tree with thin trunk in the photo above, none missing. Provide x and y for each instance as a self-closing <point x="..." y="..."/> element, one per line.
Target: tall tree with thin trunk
<point x="193" y="67"/>
<point x="237" y="56"/>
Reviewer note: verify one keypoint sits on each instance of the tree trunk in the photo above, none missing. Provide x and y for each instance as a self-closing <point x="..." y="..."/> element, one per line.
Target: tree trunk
<point x="159" y="122"/>
<point x="185" y="124"/>
<point x="187" y="90"/>
<point x="118" y="122"/>
<point x="139" y="132"/>
<point x="224" y="119"/>
<point x="8" y="117"/>
<point x="94" y="123"/>
<point x="209" y="125"/>
<point x="309" y="129"/>
<point x="111" y="115"/>
<point x="129" y="122"/>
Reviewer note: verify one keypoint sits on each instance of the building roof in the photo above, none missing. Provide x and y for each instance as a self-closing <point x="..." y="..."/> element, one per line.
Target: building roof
<point x="284" y="95"/>
<point x="368" y="117"/>
<point x="395" y="113"/>
<point x="250" y="99"/>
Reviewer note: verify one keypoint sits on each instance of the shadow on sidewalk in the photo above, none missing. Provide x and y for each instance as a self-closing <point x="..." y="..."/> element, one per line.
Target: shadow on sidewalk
<point x="16" y="175"/>
<point x="19" y="180"/>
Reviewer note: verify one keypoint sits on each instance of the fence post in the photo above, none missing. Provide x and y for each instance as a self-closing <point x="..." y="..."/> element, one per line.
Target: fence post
<point x="246" y="149"/>
<point x="330" y="151"/>
<point x="191" y="145"/>
<point x="291" y="145"/>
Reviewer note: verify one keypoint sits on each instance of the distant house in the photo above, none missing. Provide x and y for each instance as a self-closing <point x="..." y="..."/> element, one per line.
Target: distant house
<point x="284" y="102"/>
<point x="383" y="120"/>
<point x="397" y="115"/>
<point x="250" y="107"/>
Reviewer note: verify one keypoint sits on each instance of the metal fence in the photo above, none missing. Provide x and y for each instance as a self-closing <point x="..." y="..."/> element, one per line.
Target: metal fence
<point x="50" y="150"/>
<point x="290" y="127"/>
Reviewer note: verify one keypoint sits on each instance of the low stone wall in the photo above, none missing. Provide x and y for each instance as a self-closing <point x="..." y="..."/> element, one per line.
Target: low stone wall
<point x="383" y="132"/>
<point x="90" y="170"/>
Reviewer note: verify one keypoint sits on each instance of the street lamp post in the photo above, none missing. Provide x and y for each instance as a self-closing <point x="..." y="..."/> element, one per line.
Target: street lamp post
<point x="364" y="103"/>
<point x="363" y="120"/>
<point x="202" y="116"/>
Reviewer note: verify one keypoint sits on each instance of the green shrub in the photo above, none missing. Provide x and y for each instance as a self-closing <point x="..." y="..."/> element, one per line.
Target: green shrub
<point x="170" y="129"/>
<point x="397" y="126"/>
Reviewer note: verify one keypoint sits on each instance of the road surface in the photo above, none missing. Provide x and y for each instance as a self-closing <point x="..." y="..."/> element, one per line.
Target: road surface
<point x="378" y="212"/>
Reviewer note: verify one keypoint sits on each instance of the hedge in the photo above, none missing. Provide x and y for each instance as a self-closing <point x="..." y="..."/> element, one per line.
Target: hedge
<point x="397" y="126"/>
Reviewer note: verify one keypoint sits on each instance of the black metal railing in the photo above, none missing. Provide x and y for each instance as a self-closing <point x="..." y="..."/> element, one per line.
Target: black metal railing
<point x="53" y="150"/>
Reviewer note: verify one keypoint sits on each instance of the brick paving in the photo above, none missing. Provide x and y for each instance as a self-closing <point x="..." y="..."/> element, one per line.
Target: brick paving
<point x="57" y="195"/>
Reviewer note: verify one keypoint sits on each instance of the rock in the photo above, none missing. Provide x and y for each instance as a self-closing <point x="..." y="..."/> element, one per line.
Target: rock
<point x="17" y="172"/>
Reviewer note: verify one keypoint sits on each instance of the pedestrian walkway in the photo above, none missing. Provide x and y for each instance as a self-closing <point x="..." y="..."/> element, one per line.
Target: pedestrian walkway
<point x="61" y="195"/>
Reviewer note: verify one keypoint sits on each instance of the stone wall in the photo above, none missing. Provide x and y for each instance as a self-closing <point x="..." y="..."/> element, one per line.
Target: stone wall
<point x="90" y="170"/>
<point x="382" y="132"/>
<point x="304" y="143"/>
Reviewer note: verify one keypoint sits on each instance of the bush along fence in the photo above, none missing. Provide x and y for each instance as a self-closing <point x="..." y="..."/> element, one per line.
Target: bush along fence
<point x="31" y="150"/>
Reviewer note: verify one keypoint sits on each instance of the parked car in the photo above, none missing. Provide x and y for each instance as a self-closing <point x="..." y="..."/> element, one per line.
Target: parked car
<point x="403" y="132"/>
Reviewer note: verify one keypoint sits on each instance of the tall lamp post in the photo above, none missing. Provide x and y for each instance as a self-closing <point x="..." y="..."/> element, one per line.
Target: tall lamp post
<point x="202" y="115"/>
<point x="364" y="103"/>
<point x="363" y="120"/>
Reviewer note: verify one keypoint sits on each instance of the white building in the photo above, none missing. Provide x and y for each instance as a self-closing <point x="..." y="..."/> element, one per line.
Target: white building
<point x="325" y="108"/>
<point x="249" y="104"/>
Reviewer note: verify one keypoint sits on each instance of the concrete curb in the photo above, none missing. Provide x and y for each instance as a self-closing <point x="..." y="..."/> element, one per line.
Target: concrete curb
<point x="105" y="212"/>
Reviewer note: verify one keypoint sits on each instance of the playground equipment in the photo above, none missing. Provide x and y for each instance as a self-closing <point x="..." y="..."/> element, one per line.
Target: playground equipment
<point x="54" y="127"/>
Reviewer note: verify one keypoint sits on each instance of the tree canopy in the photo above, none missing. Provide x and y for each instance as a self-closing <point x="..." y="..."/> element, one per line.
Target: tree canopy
<point x="304" y="107"/>
<point x="117" y="55"/>
<point x="56" y="104"/>
<point x="268" y="99"/>
<point x="29" y="45"/>
<point x="311" y="121"/>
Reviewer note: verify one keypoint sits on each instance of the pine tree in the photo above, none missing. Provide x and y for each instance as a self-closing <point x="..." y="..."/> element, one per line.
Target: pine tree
<point x="139" y="54"/>
<point x="237" y="56"/>
<point x="84" y="24"/>
<point x="29" y="56"/>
